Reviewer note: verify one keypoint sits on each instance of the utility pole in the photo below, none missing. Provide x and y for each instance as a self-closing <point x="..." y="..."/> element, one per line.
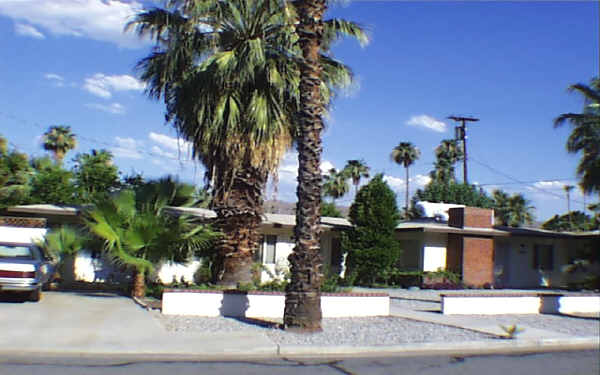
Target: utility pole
<point x="461" y="133"/>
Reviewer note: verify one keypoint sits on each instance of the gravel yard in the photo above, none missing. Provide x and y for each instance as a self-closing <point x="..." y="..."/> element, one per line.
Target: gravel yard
<point x="385" y="330"/>
<point x="336" y="331"/>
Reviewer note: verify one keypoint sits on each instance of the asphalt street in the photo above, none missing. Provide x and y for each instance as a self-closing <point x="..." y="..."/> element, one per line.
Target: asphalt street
<point x="558" y="363"/>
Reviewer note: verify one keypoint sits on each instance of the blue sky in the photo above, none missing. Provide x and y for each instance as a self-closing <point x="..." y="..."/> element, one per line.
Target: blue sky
<point x="507" y="63"/>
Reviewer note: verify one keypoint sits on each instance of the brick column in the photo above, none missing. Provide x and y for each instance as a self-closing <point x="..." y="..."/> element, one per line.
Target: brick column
<point x="478" y="261"/>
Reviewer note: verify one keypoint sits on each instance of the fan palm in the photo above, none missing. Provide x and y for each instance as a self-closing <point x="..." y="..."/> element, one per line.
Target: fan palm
<point x="59" y="139"/>
<point x="228" y="72"/>
<point x="335" y="184"/>
<point x="405" y="154"/>
<point x="138" y="233"/>
<point x="447" y="154"/>
<point x="520" y="211"/>
<point x="501" y="207"/>
<point x="356" y="169"/>
<point x="585" y="134"/>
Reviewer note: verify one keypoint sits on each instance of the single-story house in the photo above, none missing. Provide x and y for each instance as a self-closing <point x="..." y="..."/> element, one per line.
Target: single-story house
<point x="455" y="238"/>
<point x="485" y="254"/>
<point x="277" y="244"/>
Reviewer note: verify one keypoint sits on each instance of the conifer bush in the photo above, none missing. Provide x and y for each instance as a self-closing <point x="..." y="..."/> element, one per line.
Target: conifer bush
<point x="371" y="244"/>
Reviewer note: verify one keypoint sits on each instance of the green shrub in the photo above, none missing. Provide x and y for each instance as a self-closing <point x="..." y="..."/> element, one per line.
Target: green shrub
<point x="371" y="244"/>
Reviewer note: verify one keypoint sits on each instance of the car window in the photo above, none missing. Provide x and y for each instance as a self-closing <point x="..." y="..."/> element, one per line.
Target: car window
<point x="18" y="252"/>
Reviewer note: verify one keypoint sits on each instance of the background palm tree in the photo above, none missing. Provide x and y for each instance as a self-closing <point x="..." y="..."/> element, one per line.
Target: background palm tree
<point x="513" y="211"/>
<point x="356" y="169"/>
<point x="137" y="232"/>
<point x="59" y="140"/>
<point x="228" y="72"/>
<point x="447" y="154"/>
<point x="405" y="154"/>
<point x="568" y="189"/>
<point x="335" y="184"/>
<point x="585" y="134"/>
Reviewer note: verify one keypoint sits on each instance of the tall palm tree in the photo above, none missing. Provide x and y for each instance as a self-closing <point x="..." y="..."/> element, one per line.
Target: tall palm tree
<point x="585" y="134"/>
<point x="303" y="297"/>
<point x="568" y="189"/>
<point x="59" y="139"/>
<point x="405" y="154"/>
<point x="335" y="184"/>
<point x="356" y="169"/>
<point x="137" y="232"/>
<point x="228" y="72"/>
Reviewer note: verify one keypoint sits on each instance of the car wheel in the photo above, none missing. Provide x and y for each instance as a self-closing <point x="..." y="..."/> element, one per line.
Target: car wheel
<point x="35" y="295"/>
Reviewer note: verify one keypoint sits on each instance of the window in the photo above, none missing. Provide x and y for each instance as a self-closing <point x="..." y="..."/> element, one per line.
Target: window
<point x="336" y="253"/>
<point x="543" y="257"/>
<point x="269" y="249"/>
<point x="258" y="254"/>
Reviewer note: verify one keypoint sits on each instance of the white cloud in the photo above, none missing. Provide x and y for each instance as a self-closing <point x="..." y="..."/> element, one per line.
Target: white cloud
<point x="103" y="85"/>
<point x="427" y="122"/>
<point x="56" y="79"/>
<point x="160" y="152"/>
<point x="127" y="148"/>
<point x="326" y="166"/>
<point x="171" y="143"/>
<point x="421" y="180"/>
<point x="99" y="20"/>
<point x="114" y="108"/>
<point x="399" y="184"/>
<point x="549" y="185"/>
<point x="28" y="30"/>
<point x="395" y="183"/>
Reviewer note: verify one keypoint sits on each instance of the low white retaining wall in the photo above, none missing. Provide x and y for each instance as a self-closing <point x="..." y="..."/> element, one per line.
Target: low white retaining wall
<point x="533" y="303"/>
<point x="268" y="304"/>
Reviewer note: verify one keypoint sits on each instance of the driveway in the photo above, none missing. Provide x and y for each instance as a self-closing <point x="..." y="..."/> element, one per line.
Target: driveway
<point x="85" y="323"/>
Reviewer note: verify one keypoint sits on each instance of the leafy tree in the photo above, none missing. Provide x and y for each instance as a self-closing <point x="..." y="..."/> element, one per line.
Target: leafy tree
<point x="335" y="184"/>
<point x="512" y="210"/>
<point x="15" y="176"/>
<point x="95" y="175"/>
<point x="585" y="134"/>
<point x="59" y="139"/>
<point x="355" y="170"/>
<point x="52" y="184"/>
<point x="405" y="154"/>
<point x="228" y="73"/>
<point x="440" y="192"/>
<point x="371" y="244"/>
<point x="137" y="232"/>
<point x="330" y="210"/>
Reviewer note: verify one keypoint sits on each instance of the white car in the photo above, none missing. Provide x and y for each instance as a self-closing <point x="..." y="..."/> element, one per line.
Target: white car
<point x="24" y="269"/>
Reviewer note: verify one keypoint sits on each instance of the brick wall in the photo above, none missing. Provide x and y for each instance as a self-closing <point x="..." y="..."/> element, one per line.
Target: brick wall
<point x="474" y="217"/>
<point x="478" y="261"/>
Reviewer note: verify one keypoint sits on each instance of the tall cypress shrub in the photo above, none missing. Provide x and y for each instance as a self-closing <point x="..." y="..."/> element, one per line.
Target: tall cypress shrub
<point x="371" y="245"/>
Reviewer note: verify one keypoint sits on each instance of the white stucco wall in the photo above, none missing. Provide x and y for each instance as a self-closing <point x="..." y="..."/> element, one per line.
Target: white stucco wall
<point x="267" y="305"/>
<point x="434" y="258"/>
<point x="21" y="235"/>
<point x="169" y="271"/>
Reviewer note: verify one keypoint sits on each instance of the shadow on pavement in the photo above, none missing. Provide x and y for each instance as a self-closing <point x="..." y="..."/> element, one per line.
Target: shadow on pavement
<point x="13" y="297"/>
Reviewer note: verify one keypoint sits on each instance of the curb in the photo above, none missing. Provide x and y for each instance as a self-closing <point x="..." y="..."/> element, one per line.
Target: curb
<point x="294" y="351"/>
<point x="445" y="348"/>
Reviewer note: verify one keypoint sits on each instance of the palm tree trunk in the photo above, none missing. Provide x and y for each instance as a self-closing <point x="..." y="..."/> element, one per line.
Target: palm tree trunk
<point x="239" y="212"/>
<point x="303" y="295"/>
<point x="406" y="196"/>
<point x="138" y="288"/>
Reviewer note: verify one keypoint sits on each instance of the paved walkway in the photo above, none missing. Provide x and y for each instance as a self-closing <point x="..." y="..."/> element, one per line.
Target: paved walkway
<point x="98" y="324"/>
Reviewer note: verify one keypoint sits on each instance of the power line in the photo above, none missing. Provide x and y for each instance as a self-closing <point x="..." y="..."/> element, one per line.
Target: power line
<point x="545" y="191"/>
<point x="94" y="141"/>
